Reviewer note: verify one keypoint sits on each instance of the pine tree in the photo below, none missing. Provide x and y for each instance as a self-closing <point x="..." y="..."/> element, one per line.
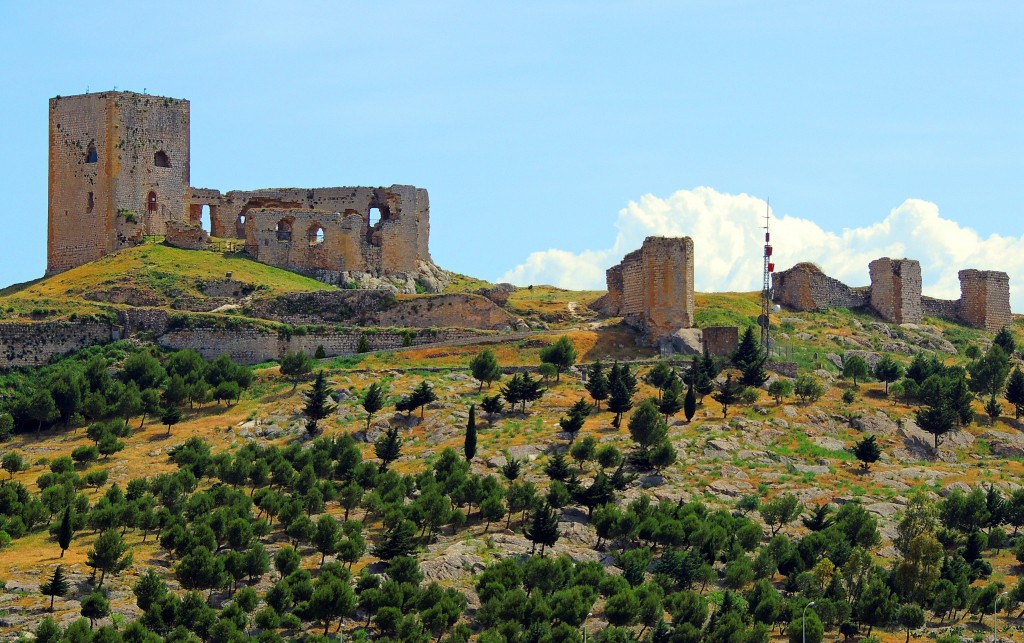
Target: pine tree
<point x="993" y="409"/>
<point x="295" y="366"/>
<point x="469" y="447"/>
<point x="317" y="403"/>
<point x="65" y="530"/>
<point x="562" y="354"/>
<point x="95" y="606"/>
<point x="543" y="529"/>
<point x="659" y="376"/>
<point x="484" y="367"/>
<point x="728" y="393"/>
<point x="170" y="416"/>
<point x="1004" y="340"/>
<point x="597" y="383"/>
<point x="388" y="447"/>
<point x="109" y="554"/>
<point x="57" y="585"/>
<point x="867" y="451"/>
<point x="373" y="401"/>
<point x="492" y="405"/>
<point x="397" y="541"/>
<point x="748" y="352"/>
<point x="1015" y="392"/>
<point x="573" y="422"/>
<point x="672" y="397"/>
<point x="703" y="372"/>
<point x="647" y="427"/>
<point x="888" y="370"/>
<point x="422" y="395"/>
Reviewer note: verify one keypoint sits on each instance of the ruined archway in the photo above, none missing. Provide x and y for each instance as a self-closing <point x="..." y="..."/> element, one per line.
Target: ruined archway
<point x="375" y="218"/>
<point x="205" y="221"/>
<point x="315" y="235"/>
<point x="284" y="229"/>
<point x="151" y="203"/>
<point x="240" y="226"/>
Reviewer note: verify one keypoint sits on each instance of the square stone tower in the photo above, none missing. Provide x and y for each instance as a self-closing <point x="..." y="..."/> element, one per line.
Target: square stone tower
<point x="119" y="169"/>
<point x="985" y="299"/>
<point x="896" y="290"/>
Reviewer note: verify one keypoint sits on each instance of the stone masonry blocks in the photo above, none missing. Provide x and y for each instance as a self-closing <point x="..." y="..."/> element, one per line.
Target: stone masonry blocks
<point x="985" y="299"/>
<point x="652" y="288"/>
<point x="896" y="290"/>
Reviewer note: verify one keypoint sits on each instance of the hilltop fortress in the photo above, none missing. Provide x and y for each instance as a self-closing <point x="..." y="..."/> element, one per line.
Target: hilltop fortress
<point x="119" y="170"/>
<point x="895" y="294"/>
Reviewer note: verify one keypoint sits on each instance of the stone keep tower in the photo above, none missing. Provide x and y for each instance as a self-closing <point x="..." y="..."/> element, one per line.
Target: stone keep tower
<point x="985" y="299"/>
<point x="119" y="169"/>
<point x="896" y="290"/>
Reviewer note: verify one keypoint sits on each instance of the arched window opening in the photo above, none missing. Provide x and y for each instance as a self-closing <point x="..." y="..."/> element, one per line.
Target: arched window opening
<point x="316" y="235"/>
<point x="374" y="216"/>
<point x="91" y="156"/>
<point x="240" y="226"/>
<point x="204" y="220"/>
<point x="151" y="204"/>
<point x="284" y="230"/>
<point x="160" y="159"/>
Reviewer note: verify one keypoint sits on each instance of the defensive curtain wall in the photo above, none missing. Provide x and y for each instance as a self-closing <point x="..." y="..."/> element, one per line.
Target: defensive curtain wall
<point x="34" y="344"/>
<point x="895" y="294"/>
<point x="119" y="170"/>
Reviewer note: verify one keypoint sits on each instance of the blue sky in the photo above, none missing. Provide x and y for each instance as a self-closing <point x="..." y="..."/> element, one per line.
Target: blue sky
<point x="538" y="126"/>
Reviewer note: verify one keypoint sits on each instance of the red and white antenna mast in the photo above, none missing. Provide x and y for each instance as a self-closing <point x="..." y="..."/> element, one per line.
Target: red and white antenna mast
<point x="764" y="321"/>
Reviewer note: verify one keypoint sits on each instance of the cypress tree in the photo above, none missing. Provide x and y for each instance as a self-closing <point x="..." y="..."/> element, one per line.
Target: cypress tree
<point x="65" y="531"/>
<point x="469" y="447"/>
<point x="690" y="403"/>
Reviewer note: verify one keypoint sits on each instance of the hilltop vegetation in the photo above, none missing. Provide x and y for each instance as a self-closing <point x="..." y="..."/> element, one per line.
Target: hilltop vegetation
<point x="215" y="509"/>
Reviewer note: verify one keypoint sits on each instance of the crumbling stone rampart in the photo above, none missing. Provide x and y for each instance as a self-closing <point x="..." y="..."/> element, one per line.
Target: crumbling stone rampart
<point x="806" y="287"/>
<point x="652" y="288"/>
<point x="33" y="344"/>
<point x="381" y="308"/>
<point x="721" y="341"/>
<point x="896" y="290"/>
<point x="895" y="294"/>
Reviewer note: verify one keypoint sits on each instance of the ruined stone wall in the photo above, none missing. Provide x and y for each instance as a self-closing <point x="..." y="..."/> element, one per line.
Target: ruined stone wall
<point x="33" y="344"/>
<point x="104" y="163"/>
<point x="806" y="287"/>
<point x="896" y="290"/>
<point x="652" y="288"/>
<point x="942" y="308"/>
<point x="381" y="308"/>
<point x="397" y="242"/>
<point x="721" y="341"/>
<point x="183" y="235"/>
<point x="985" y="299"/>
<point x="251" y="346"/>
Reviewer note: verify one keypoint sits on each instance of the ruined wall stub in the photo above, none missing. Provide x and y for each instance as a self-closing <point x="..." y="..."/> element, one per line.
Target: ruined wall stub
<point x="806" y="287"/>
<point x="896" y="290"/>
<point x="652" y="288"/>
<point x="720" y="341"/>
<point x="985" y="299"/>
<point x="118" y="169"/>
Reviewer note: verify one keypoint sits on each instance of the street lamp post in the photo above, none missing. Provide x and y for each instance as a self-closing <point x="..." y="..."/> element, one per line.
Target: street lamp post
<point x="995" y="616"/>
<point x="803" y="621"/>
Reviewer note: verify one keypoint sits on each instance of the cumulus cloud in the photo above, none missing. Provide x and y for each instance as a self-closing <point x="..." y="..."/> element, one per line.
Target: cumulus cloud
<point x="728" y="239"/>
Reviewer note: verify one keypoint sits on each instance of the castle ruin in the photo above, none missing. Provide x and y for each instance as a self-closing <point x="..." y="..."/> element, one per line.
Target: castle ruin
<point x="652" y="288"/>
<point x="119" y="170"/>
<point x="895" y="294"/>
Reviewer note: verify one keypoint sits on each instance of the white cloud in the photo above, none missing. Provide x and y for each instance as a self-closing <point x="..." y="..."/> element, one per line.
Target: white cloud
<point x="728" y="239"/>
